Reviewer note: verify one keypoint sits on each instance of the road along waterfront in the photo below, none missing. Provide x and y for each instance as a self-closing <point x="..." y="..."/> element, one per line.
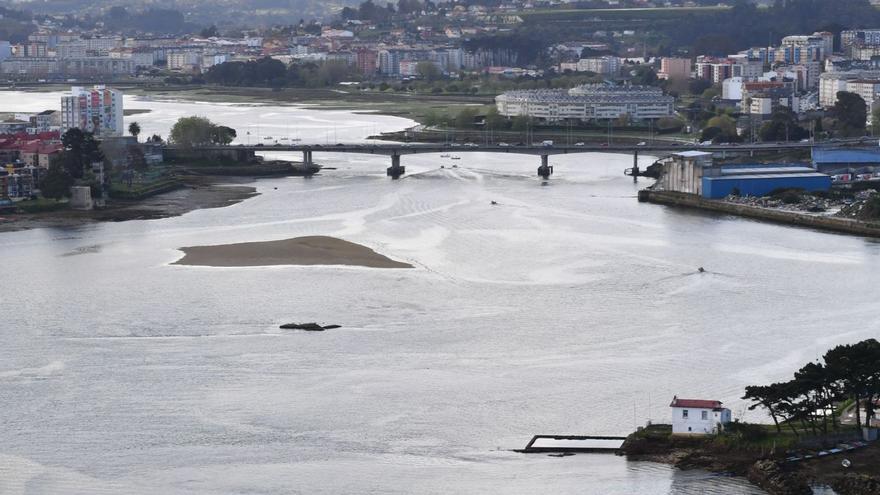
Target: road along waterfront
<point x="566" y="307"/>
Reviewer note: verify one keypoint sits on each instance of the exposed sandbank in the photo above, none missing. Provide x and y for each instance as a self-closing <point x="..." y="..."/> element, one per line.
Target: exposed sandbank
<point x="311" y="250"/>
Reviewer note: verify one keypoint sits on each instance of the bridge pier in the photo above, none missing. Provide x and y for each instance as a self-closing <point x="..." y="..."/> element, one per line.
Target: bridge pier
<point x="635" y="169"/>
<point x="545" y="170"/>
<point x="307" y="158"/>
<point x="395" y="170"/>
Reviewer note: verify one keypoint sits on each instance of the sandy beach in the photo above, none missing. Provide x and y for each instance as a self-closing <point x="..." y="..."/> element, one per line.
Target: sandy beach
<point x="311" y="250"/>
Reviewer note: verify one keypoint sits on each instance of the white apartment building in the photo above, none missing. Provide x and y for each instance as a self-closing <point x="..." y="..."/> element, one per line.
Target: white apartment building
<point x="183" y="60"/>
<point x="853" y="37"/>
<point x="587" y="102"/>
<point x="29" y="66"/>
<point x="830" y="83"/>
<point x="607" y="65"/>
<point x="869" y="90"/>
<point x="97" y="110"/>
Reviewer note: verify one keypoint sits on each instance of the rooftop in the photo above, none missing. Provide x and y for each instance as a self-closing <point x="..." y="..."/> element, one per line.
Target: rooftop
<point x="696" y="403"/>
<point x="846" y="156"/>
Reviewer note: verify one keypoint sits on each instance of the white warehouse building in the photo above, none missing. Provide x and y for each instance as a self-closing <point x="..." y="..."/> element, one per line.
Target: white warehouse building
<point x="587" y="102"/>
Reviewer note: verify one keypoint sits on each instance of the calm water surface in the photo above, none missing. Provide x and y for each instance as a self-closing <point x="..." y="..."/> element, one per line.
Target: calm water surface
<point x="567" y="308"/>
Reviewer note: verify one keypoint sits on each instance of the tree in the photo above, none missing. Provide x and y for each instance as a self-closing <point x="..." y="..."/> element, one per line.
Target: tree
<point x="189" y="132"/>
<point x="222" y="135"/>
<point x="644" y="75"/>
<point x="134" y="129"/>
<point x="465" y="118"/>
<point x="766" y="397"/>
<point x="495" y="120"/>
<point x="210" y="32"/>
<point x="857" y="367"/>
<point x="849" y="371"/>
<point x="875" y="120"/>
<point x="57" y="182"/>
<point x="851" y="113"/>
<point x="783" y="126"/>
<point x="81" y="149"/>
<point x="521" y="123"/>
<point x="428" y="71"/>
<point x="720" y="129"/>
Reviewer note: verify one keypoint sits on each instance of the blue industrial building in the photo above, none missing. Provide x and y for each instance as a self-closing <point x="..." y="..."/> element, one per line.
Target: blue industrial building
<point x="760" y="179"/>
<point x="846" y="161"/>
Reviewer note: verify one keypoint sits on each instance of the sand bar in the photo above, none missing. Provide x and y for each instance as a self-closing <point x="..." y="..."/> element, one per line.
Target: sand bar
<point x="311" y="250"/>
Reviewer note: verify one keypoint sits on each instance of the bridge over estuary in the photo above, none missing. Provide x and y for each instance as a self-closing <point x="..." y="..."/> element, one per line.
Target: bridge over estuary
<point x="545" y="169"/>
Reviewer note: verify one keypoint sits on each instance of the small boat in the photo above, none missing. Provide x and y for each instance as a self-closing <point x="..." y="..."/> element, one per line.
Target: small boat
<point x="267" y="138"/>
<point x="445" y="155"/>
<point x="456" y="158"/>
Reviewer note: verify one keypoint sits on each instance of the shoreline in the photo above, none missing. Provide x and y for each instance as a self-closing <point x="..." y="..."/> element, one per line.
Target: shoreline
<point x="795" y="219"/>
<point x="197" y="192"/>
<point x="299" y="251"/>
<point x="763" y="466"/>
<point x="403" y="105"/>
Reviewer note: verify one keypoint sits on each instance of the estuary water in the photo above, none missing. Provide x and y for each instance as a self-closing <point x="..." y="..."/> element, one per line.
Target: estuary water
<point x="567" y="308"/>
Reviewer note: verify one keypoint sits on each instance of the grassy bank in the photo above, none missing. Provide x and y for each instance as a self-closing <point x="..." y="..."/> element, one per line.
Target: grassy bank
<point x="414" y="106"/>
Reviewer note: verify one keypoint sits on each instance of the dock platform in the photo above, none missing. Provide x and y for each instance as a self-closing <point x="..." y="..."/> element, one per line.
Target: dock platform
<point x="542" y="444"/>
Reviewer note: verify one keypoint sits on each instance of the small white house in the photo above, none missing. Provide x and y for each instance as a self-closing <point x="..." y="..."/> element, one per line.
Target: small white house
<point x="698" y="417"/>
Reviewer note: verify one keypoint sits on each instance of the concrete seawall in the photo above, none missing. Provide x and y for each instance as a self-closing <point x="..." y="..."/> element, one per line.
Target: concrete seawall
<point x="835" y="224"/>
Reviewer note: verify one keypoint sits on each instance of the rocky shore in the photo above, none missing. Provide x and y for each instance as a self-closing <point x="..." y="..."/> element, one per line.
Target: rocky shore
<point x="764" y="467"/>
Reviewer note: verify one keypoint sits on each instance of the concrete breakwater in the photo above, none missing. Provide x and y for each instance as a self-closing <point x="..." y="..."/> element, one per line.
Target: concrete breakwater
<point x="835" y="224"/>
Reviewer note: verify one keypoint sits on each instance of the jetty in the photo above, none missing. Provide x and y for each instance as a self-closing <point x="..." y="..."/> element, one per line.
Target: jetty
<point x="574" y="444"/>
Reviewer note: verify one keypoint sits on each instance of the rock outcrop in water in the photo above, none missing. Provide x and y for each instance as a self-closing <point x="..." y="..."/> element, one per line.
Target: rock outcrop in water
<point x="773" y="478"/>
<point x="308" y="327"/>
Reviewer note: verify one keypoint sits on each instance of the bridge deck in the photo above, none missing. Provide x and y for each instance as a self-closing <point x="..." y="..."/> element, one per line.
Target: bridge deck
<point x="410" y="149"/>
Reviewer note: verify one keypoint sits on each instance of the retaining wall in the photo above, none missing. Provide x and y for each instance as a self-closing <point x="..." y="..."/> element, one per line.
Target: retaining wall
<point x="836" y="224"/>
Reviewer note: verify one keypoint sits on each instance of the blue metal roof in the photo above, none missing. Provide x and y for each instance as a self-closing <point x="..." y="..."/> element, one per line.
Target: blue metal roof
<point x="764" y="176"/>
<point x="766" y="170"/>
<point x="846" y="156"/>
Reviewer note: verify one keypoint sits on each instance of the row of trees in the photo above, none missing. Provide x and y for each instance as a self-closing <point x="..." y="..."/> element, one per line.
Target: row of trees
<point x="812" y="397"/>
<point x="268" y="72"/>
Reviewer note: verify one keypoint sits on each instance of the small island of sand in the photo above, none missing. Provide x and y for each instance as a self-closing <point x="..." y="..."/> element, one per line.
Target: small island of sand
<point x="311" y="250"/>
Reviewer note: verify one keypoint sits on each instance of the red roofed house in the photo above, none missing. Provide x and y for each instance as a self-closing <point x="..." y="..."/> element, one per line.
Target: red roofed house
<point x="698" y="417"/>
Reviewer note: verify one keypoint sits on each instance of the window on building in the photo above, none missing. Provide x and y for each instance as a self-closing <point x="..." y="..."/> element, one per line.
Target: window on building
<point x="705" y="415"/>
<point x="684" y="414"/>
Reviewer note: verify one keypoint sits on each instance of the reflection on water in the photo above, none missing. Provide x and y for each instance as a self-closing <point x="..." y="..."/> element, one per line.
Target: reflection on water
<point x="564" y="309"/>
